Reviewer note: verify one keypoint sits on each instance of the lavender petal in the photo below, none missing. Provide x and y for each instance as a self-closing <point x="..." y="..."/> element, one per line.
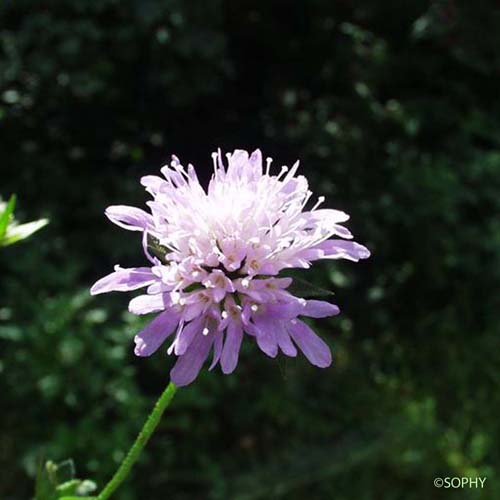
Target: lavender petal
<point x="188" y="365"/>
<point x="124" y="280"/>
<point x="131" y="218"/>
<point x="231" y="349"/>
<point x="314" y="349"/>
<point x="319" y="309"/>
<point x="155" y="333"/>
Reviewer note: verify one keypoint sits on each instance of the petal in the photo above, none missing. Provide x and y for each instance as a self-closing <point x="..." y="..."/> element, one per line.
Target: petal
<point x="124" y="280"/>
<point x="326" y="215"/>
<point x="319" y="309"/>
<point x="189" y="364"/>
<point x="342" y="231"/>
<point x="238" y="164"/>
<point x="192" y="310"/>
<point x="310" y="254"/>
<point x="217" y="349"/>
<point x="131" y="218"/>
<point x="284" y="341"/>
<point x="288" y="310"/>
<point x="340" y="249"/>
<point x="145" y="304"/>
<point x="231" y="349"/>
<point x="314" y="349"/>
<point x="157" y="287"/>
<point x="150" y="339"/>
<point x="266" y="338"/>
<point x="153" y="183"/>
<point x="297" y="184"/>
<point x="187" y="335"/>
<point x="255" y="161"/>
<point x="218" y="294"/>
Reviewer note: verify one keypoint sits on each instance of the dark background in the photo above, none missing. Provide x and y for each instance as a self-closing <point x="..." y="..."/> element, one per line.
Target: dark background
<point x="393" y="109"/>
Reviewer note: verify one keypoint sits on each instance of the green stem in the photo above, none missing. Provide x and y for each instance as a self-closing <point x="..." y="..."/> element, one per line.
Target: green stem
<point x="141" y="440"/>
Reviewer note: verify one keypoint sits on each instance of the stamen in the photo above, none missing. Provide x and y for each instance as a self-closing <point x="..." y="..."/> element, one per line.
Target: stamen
<point x="254" y="308"/>
<point x="205" y="331"/>
<point x="305" y="200"/>
<point x="268" y="165"/>
<point x="283" y="170"/>
<point x="321" y="199"/>
<point x="175" y="161"/>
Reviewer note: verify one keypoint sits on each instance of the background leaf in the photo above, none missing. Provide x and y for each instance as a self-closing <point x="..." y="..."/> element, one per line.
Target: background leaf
<point x="5" y="217"/>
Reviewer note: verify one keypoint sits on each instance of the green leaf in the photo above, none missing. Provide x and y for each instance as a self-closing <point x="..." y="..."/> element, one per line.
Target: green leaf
<point x="5" y="217"/>
<point x="76" y="488"/>
<point x="68" y="488"/>
<point x="77" y="498"/>
<point x="57" y="482"/>
<point x="44" y="486"/>
<point x="20" y="232"/>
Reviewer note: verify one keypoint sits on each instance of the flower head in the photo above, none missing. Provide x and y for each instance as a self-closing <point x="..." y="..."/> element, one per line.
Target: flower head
<point x="215" y="261"/>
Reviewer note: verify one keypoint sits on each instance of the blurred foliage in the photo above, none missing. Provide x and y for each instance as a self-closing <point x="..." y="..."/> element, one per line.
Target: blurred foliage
<point x="394" y="111"/>
<point x="57" y="481"/>
<point x="10" y="230"/>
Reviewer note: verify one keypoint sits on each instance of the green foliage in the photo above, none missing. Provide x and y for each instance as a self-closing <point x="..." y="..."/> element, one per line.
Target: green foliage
<point x="56" y="482"/>
<point x="6" y="212"/>
<point x="394" y="111"/>
<point x="10" y="230"/>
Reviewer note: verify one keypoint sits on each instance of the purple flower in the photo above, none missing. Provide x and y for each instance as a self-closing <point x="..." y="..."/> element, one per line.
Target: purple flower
<point x="215" y="260"/>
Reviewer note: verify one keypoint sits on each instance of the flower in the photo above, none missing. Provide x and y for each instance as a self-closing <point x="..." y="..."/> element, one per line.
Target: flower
<point x="215" y="261"/>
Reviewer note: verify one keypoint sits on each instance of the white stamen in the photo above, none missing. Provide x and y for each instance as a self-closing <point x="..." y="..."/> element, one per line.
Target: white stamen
<point x="268" y="165"/>
<point x="205" y="331"/>
<point x="321" y="199"/>
<point x="245" y="282"/>
<point x="283" y="170"/>
<point x="224" y="314"/>
<point x="254" y="308"/>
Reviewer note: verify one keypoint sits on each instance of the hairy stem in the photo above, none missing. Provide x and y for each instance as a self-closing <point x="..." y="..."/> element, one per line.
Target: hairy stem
<point x="133" y="454"/>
